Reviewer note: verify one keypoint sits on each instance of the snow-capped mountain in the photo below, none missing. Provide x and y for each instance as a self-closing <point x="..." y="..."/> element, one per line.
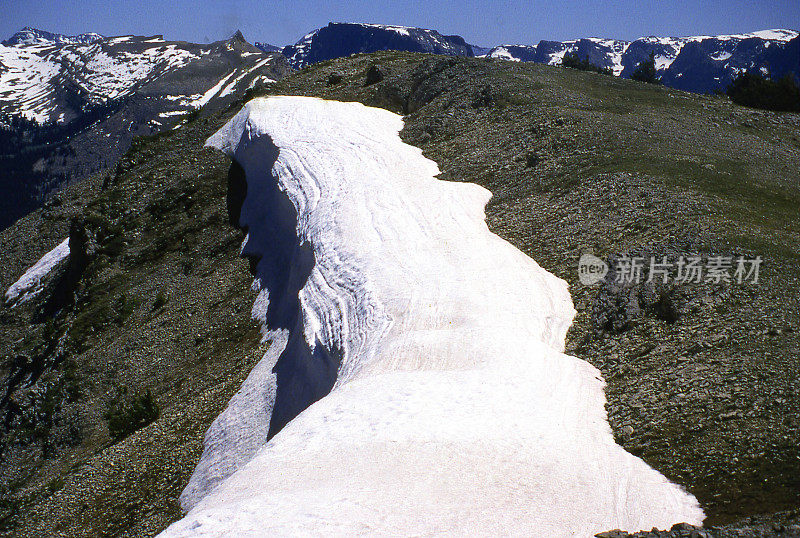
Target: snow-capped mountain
<point x="697" y="64"/>
<point x="337" y="40"/>
<point x="33" y="36"/>
<point x="70" y="106"/>
<point x="48" y="78"/>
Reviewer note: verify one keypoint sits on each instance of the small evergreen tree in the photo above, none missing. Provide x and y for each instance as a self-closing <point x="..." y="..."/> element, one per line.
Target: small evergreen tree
<point x="573" y="61"/>
<point x="756" y="91"/>
<point x="646" y="71"/>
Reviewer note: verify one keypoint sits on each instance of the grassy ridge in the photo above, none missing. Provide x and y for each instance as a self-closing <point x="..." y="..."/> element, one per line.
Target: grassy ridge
<point x="576" y="161"/>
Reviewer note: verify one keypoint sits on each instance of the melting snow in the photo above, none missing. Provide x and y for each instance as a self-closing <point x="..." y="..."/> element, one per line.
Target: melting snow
<point x="263" y="79"/>
<point x="502" y="53"/>
<point x="402" y="30"/>
<point x="229" y="89"/>
<point x="31" y="72"/>
<point x="30" y="284"/>
<point x="173" y="113"/>
<point x="776" y="35"/>
<point x="213" y="91"/>
<point x="120" y="39"/>
<point x="663" y="62"/>
<point x="453" y="410"/>
<point x="26" y="74"/>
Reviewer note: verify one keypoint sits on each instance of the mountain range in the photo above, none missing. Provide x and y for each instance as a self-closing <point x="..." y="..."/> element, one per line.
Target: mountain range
<point x="701" y="64"/>
<point x="71" y="105"/>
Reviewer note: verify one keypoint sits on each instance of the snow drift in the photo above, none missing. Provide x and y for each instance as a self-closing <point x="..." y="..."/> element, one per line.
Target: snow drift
<point x="31" y="283"/>
<point x="416" y="383"/>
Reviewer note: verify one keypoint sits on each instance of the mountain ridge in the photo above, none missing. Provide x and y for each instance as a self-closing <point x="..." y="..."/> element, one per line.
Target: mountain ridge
<point x="705" y="70"/>
<point x="70" y="108"/>
<point x="339" y="39"/>
<point x="700" y="64"/>
<point x="30" y="35"/>
<point x="576" y="161"/>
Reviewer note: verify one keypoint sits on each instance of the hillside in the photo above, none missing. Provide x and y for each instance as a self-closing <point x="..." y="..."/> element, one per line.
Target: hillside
<point x="701" y="378"/>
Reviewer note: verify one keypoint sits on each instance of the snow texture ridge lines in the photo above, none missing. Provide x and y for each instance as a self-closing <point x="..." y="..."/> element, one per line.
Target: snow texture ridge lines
<point x="416" y="383"/>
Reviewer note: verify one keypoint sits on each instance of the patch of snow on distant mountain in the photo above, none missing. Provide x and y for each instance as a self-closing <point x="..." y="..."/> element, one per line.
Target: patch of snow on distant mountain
<point x="211" y="93"/>
<point x="721" y="56"/>
<point x="25" y="79"/>
<point x="663" y="62"/>
<point x="229" y="88"/>
<point x="402" y="30"/>
<point x="110" y="77"/>
<point x="502" y="53"/>
<point x="772" y="35"/>
<point x="297" y="52"/>
<point x="32" y="71"/>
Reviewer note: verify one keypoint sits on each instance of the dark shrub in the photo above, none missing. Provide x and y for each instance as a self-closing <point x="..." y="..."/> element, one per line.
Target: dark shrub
<point x="374" y="74"/>
<point x="572" y="60"/>
<point x="123" y="420"/>
<point x="756" y="91"/>
<point x="161" y="300"/>
<point x="646" y="71"/>
<point x="532" y="159"/>
<point x="489" y="97"/>
<point x="334" y="79"/>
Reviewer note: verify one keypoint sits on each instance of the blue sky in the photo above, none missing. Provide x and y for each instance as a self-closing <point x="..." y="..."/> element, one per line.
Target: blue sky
<point x="481" y="23"/>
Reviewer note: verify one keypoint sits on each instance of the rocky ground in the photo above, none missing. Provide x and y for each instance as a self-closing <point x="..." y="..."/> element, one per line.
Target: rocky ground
<point x="702" y="377"/>
<point x="163" y="305"/>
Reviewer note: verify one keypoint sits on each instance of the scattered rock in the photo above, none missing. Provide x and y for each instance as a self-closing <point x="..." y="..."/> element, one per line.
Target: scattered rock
<point x="532" y="159"/>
